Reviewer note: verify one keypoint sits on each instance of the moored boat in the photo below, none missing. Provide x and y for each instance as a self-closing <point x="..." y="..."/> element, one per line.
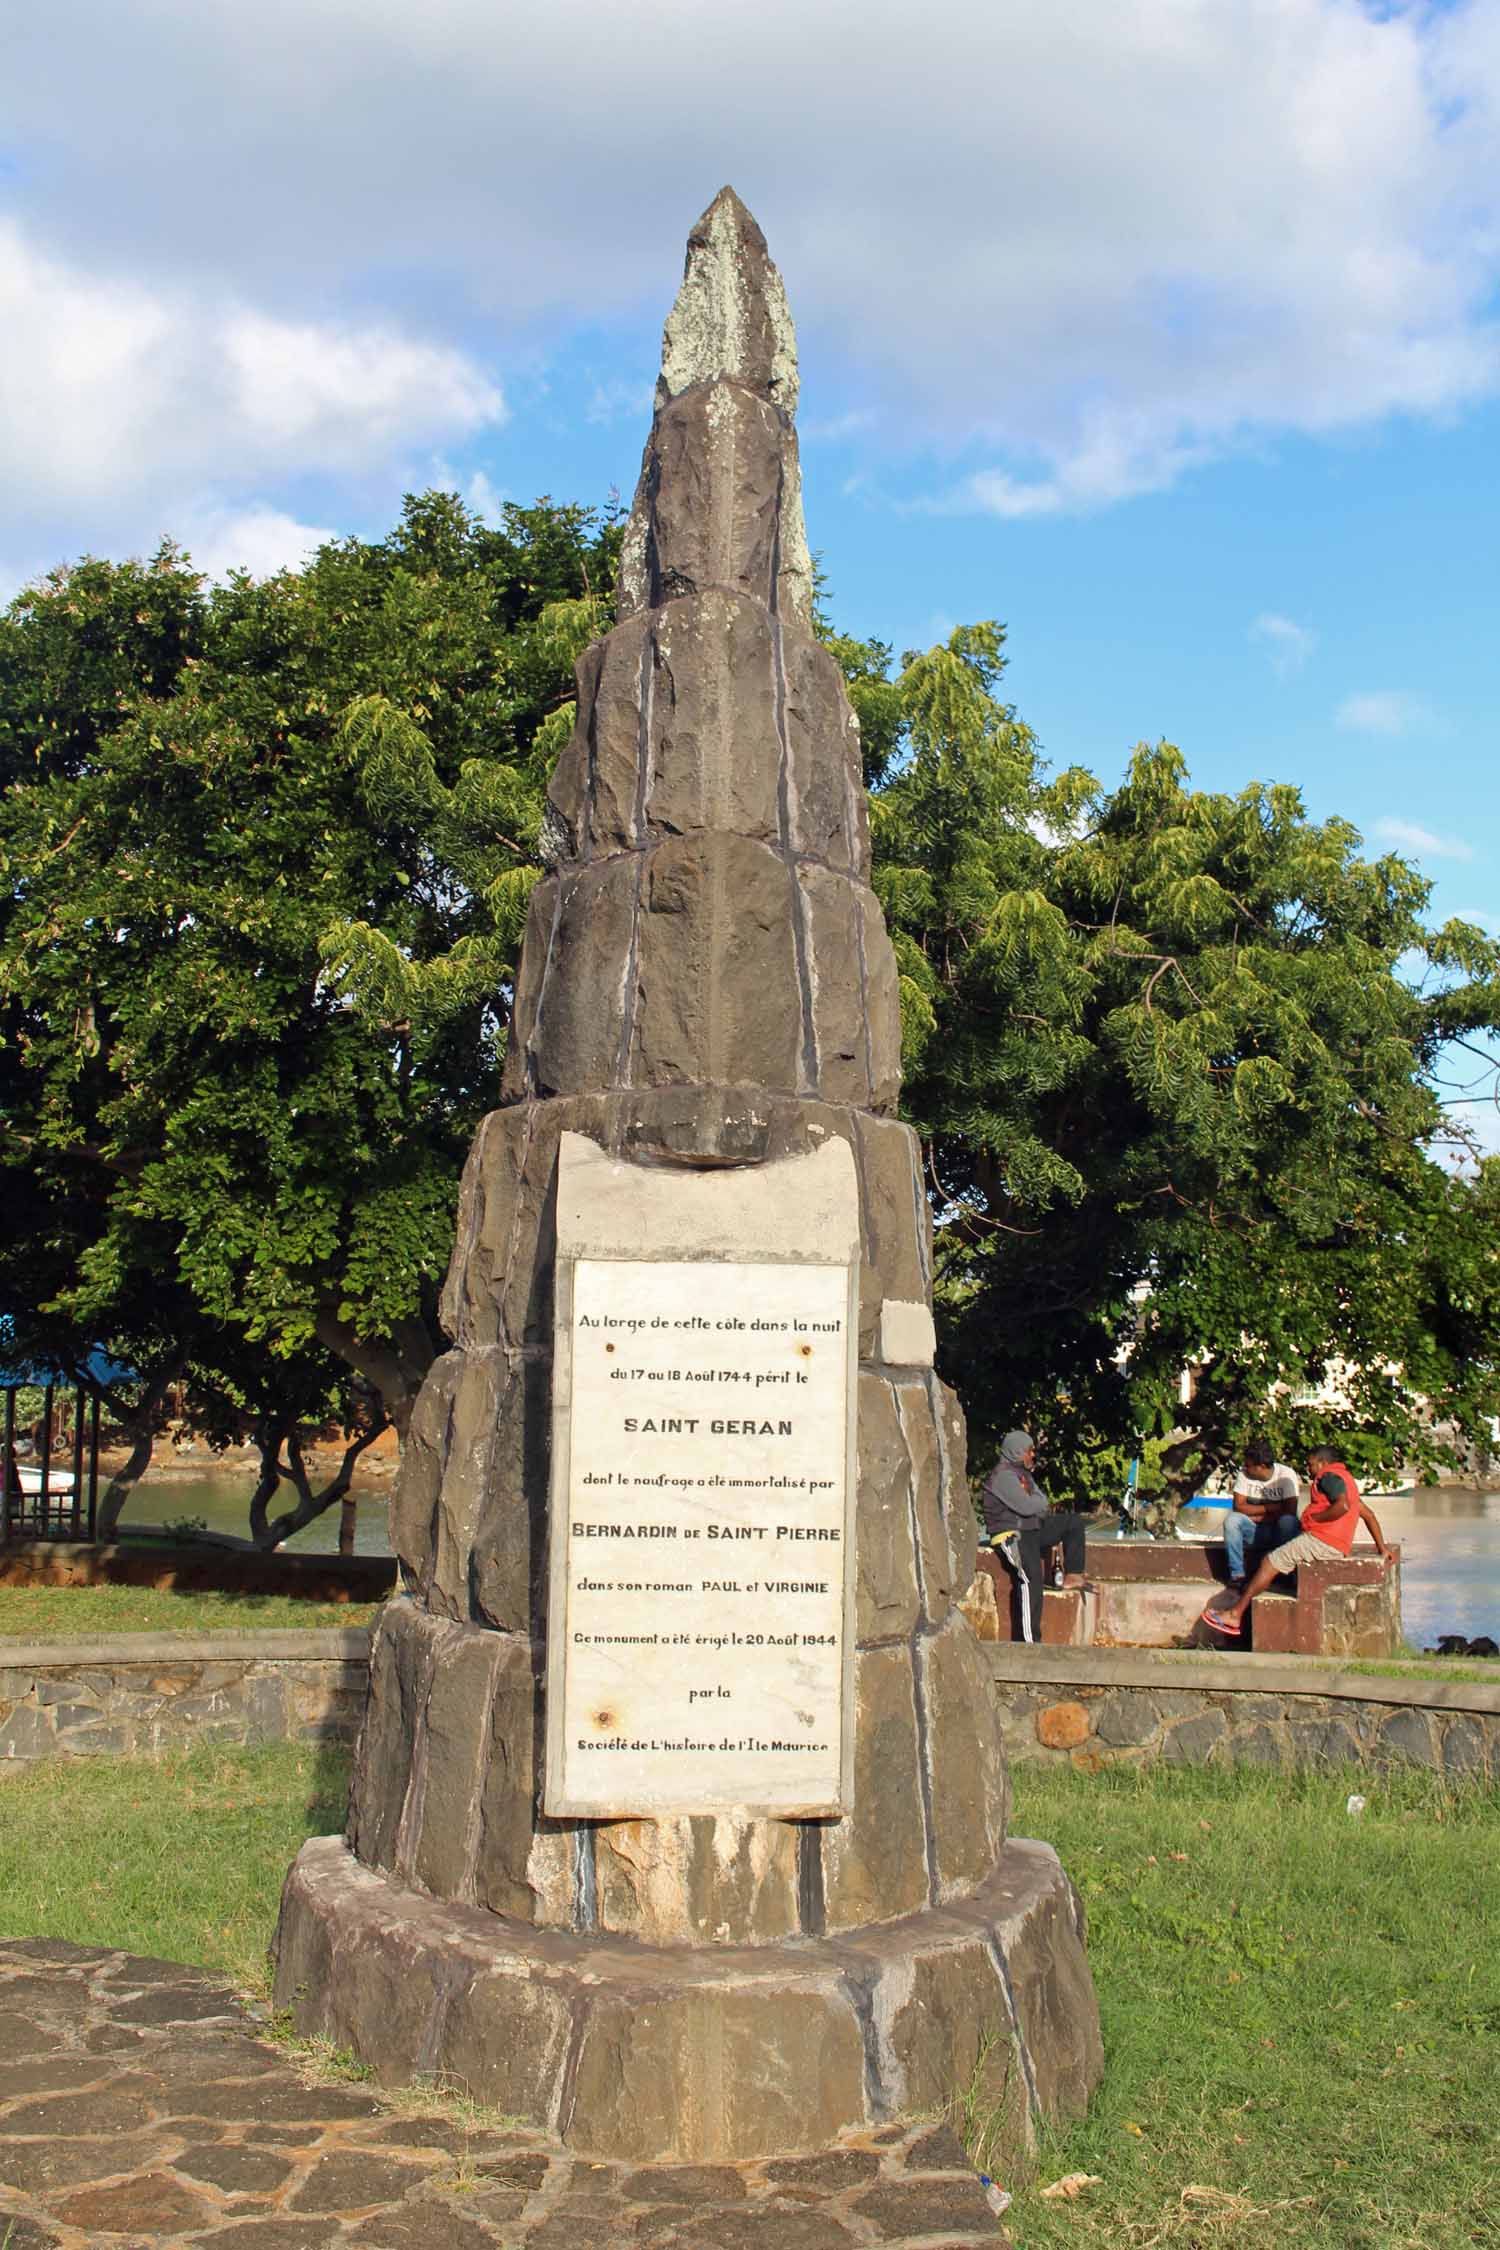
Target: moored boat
<point x="1202" y="1517"/>
<point x="59" y="1481"/>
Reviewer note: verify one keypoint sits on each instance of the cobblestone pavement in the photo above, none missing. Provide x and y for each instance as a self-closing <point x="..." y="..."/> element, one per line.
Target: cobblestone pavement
<point x="139" y="2107"/>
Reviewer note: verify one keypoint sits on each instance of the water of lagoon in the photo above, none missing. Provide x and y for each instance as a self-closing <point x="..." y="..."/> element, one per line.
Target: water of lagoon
<point x="1450" y="1541"/>
<point x="222" y="1503"/>
<point x="1450" y="1562"/>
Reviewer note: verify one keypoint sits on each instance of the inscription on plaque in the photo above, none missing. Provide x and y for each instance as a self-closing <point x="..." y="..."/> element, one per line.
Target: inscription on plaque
<point x="701" y="1567"/>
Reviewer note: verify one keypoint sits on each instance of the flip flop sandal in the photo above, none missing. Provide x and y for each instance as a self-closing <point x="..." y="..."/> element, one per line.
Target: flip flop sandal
<point x="1220" y="1622"/>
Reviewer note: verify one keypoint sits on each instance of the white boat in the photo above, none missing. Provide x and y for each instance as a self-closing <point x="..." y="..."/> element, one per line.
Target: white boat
<point x="1202" y="1518"/>
<point x="59" y="1481"/>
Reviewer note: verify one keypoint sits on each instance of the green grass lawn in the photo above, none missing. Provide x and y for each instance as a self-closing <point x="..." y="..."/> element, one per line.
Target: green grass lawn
<point x="56" y="1613"/>
<point x="1301" y="2012"/>
<point x="1483" y="1669"/>
<point x="180" y="1857"/>
<point x="1301" y="2009"/>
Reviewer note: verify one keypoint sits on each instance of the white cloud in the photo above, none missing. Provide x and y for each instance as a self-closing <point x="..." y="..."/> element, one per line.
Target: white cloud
<point x="1091" y="247"/>
<point x="1484" y="1124"/>
<point x="258" y="538"/>
<point x="1483" y="918"/>
<point x="1111" y="455"/>
<point x="315" y="392"/>
<point x="1474" y="1117"/>
<point x="487" y="502"/>
<point x="478" y="493"/>
<point x="1288" y="644"/>
<point x="836" y="429"/>
<point x="103" y="379"/>
<point x="1408" y="836"/>
<point x="621" y="400"/>
<point x="1383" y="711"/>
<point x="994" y="492"/>
<point x="123" y="405"/>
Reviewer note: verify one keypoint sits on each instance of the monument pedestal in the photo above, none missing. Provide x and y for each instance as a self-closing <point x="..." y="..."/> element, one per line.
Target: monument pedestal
<point x="652" y="2053"/>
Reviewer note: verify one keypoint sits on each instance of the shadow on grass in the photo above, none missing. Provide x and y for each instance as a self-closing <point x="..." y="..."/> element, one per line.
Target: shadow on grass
<point x="60" y="1612"/>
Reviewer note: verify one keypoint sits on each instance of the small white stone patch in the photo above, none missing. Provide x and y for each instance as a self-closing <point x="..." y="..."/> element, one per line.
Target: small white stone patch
<point x="907" y="1335"/>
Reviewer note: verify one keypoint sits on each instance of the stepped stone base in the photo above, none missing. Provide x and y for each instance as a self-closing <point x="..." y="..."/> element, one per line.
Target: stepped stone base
<point x="683" y="2054"/>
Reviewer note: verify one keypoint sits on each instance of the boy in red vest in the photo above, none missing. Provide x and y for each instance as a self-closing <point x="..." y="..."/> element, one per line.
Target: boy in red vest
<point x="1333" y="1514"/>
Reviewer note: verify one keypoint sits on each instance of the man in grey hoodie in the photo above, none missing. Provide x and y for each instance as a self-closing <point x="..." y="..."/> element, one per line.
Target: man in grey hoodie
<point x="1020" y="1524"/>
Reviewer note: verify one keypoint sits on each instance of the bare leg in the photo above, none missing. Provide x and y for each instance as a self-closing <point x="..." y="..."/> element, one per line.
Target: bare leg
<point x="1264" y="1573"/>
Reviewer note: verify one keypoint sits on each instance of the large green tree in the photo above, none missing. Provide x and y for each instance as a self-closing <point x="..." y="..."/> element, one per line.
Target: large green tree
<point x="221" y="1164"/>
<point x="1174" y="1053"/>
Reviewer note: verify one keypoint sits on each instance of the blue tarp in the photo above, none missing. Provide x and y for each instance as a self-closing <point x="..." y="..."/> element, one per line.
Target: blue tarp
<point x="36" y="1374"/>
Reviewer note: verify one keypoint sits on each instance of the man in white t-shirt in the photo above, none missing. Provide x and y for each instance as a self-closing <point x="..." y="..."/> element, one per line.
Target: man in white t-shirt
<point x="1266" y="1498"/>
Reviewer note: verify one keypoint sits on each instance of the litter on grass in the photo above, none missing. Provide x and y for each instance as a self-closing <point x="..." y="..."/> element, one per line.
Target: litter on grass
<point x="1195" y="2197"/>
<point x="1069" y="2188"/>
<point x="998" y="2198"/>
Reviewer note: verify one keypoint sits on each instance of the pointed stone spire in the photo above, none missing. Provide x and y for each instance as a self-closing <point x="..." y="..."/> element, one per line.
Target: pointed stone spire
<point x="720" y="495"/>
<point x="710" y="920"/>
<point x="731" y="316"/>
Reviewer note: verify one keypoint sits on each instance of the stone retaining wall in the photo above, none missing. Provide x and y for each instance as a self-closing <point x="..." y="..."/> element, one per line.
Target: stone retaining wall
<point x="143" y="1693"/>
<point x="1095" y="1707"/>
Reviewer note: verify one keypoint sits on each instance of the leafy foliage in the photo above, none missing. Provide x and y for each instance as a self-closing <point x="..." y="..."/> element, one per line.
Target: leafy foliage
<point x="1174" y="1056"/>
<point x="230" y="816"/>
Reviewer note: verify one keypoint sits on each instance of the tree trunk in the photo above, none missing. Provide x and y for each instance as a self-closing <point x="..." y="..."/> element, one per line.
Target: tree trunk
<point x="266" y="1531"/>
<point x="393" y="1366"/>
<point x="1181" y="1463"/>
<point x="270" y="1436"/>
<point x="140" y="1426"/>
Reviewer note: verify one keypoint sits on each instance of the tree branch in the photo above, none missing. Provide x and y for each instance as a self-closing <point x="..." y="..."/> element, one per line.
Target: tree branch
<point x="267" y="1534"/>
<point x="393" y="1366"/>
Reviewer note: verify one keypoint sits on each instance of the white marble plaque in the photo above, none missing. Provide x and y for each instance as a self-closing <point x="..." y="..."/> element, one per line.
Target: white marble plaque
<point x="701" y="1586"/>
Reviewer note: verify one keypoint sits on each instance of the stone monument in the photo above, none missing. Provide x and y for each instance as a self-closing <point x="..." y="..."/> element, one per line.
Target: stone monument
<point x="678" y="1823"/>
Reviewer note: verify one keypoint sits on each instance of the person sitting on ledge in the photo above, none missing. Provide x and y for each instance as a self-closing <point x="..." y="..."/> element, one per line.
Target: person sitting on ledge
<point x="1333" y="1514"/>
<point x="1020" y="1522"/>
<point x="1266" y="1493"/>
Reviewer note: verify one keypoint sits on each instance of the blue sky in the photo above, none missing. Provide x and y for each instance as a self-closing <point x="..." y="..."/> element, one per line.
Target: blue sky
<point x="1167" y="331"/>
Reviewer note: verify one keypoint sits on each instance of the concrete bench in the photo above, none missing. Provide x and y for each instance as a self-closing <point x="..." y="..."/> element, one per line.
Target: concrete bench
<point x="1149" y="1594"/>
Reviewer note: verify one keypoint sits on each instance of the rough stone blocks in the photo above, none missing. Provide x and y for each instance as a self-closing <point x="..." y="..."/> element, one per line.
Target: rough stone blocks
<point x="689" y="2054"/>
